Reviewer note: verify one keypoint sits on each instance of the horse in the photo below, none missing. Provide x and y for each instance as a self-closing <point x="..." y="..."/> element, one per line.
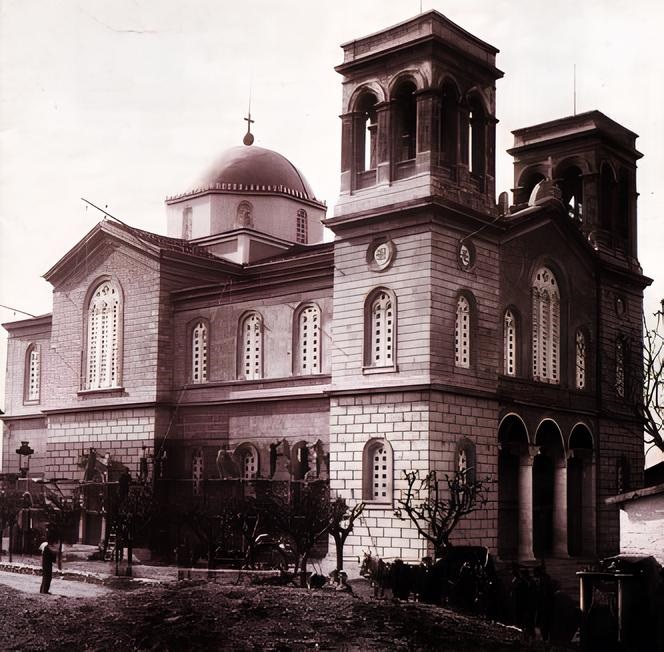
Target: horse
<point x="377" y="572"/>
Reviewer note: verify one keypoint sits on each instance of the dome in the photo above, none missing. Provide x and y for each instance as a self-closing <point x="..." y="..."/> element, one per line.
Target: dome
<point x="263" y="169"/>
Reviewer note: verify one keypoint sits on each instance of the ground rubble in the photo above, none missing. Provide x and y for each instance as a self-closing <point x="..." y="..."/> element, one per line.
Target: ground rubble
<point x="243" y="614"/>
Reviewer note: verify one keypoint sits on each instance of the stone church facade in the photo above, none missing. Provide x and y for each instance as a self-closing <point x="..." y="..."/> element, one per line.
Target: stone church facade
<point x="439" y="330"/>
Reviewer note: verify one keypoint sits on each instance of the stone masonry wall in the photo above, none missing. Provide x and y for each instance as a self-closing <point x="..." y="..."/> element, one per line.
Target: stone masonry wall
<point x="122" y="433"/>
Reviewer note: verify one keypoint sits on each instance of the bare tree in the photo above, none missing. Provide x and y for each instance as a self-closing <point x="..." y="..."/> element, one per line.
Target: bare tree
<point x="11" y="504"/>
<point x="651" y="409"/>
<point x="342" y="520"/>
<point x="435" y="510"/>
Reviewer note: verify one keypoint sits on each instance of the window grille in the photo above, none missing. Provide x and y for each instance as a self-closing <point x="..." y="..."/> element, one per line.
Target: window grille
<point x="309" y="340"/>
<point x="382" y="331"/>
<point x="462" y="334"/>
<point x="249" y="464"/>
<point x="199" y="353"/>
<point x="509" y="335"/>
<point x="104" y="334"/>
<point x="301" y="235"/>
<point x="197" y="472"/>
<point x="620" y="367"/>
<point x="580" y="382"/>
<point x="34" y="371"/>
<point x="252" y="347"/>
<point x="546" y="327"/>
<point x="380" y="473"/>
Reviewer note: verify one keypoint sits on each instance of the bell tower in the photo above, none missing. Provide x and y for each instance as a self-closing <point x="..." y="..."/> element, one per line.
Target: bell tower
<point x="418" y="117"/>
<point x="592" y="160"/>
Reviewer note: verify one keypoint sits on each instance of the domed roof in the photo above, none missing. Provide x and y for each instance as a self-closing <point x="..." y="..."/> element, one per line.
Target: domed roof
<point x="263" y="169"/>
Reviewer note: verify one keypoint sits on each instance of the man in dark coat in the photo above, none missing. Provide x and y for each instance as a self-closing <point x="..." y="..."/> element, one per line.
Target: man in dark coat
<point x="48" y="557"/>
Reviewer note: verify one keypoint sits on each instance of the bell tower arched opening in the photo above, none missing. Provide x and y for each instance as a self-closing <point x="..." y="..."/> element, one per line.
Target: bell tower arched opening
<point x="405" y="122"/>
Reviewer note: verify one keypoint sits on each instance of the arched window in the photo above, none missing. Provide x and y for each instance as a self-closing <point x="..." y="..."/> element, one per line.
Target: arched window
<point x="308" y="340"/>
<point x="580" y="356"/>
<point x="620" y="366"/>
<point x="32" y="373"/>
<point x="377" y="473"/>
<point x="248" y="458"/>
<point x="509" y="343"/>
<point x="476" y="138"/>
<point x="244" y="217"/>
<point x="251" y="338"/>
<point x="405" y="122"/>
<point x="449" y="124"/>
<point x="381" y="336"/>
<point x="462" y="334"/>
<point x="104" y="337"/>
<point x="197" y="472"/>
<point x="301" y="235"/>
<point x="546" y="326"/>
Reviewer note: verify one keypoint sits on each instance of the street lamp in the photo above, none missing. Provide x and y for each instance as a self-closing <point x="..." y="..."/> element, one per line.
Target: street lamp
<point x="24" y="453"/>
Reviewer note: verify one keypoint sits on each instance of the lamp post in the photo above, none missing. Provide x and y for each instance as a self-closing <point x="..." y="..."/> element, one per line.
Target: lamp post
<point x="24" y="452"/>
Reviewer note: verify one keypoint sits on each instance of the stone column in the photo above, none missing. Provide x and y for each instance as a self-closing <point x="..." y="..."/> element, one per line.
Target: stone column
<point x="525" y="540"/>
<point x="346" y="151"/>
<point x="559" y="534"/>
<point x="383" y="142"/>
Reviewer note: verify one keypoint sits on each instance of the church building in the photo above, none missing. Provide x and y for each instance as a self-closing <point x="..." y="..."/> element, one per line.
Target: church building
<point x="440" y="329"/>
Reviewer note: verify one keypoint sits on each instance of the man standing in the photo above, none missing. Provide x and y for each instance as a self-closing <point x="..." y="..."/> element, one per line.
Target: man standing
<point x="48" y="557"/>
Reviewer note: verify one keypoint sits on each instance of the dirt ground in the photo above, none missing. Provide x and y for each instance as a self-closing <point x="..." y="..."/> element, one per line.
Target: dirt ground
<point x="193" y="615"/>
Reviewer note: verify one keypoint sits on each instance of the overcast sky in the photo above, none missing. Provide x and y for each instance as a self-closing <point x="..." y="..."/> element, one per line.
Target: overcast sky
<point x="125" y="102"/>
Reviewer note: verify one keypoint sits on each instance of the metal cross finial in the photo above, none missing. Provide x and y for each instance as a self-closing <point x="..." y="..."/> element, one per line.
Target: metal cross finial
<point x="248" y="137"/>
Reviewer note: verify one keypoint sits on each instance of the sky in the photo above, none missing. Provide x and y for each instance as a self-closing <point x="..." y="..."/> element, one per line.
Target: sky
<point x="127" y="102"/>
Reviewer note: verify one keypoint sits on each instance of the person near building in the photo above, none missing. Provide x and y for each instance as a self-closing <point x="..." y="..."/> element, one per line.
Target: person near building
<point x="48" y="557"/>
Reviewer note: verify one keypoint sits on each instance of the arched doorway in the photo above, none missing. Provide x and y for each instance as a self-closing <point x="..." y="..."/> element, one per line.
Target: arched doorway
<point x="549" y="492"/>
<point x="580" y="492"/>
<point x="513" y="529"/>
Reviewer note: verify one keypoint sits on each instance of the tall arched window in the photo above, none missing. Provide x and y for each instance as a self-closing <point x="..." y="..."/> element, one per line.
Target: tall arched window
<point x="301" y="232"/>
<point x="199" y="353"/>
<point x="251" y="347"/>
<point x="580" y="356"/>
<point x="405" y="122"/>
<point x="365" y="133"/>
<point x="546" y="326"/>
<point x="32" y="373"/>
<point x="308" y="340"/>
<point x="509" y="343"/>
<point x="462" y="333"/>
<point x="476" y="138"/>
<point x="381" y="335"/>
<point x="197" y="470"/>
<point x="104" y="340"/>
<point x="377" y="471"/>
<point x="449" y="124"/>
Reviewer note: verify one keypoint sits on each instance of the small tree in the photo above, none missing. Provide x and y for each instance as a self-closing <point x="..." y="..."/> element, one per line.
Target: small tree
<point x="435" y="512"/>
<point x="134" y="513"/>
<point x="303" y="519"/>
<point x="651" y="408"/>
<point x="61" y="515"/>
<point x="11" y="504"/>
<point x="342" y="520"/>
